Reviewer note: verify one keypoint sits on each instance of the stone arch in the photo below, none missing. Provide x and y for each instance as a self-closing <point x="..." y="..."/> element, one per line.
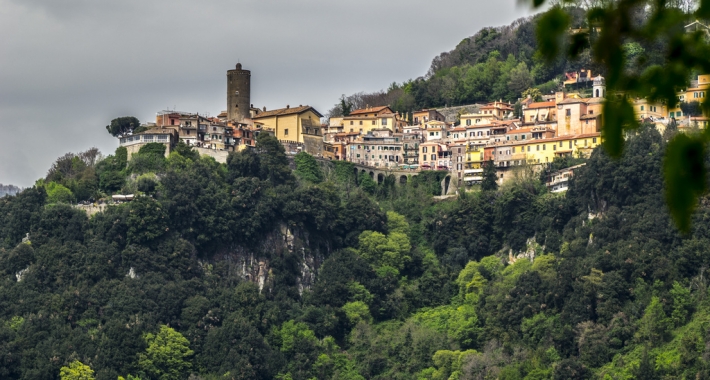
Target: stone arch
<point x="356" y="172"/>
<point x="403" y="179"/>
<point x="597" y="94"/>
<point x="380" y="178"/>
<point x="372" y="175"/>
<point x="445" y="185"/>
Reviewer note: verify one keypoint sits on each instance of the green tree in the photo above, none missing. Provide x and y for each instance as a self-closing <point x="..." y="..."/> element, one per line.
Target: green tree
<point x="520" y="79"/>
<point x="167" y="356"/>
<point x="367" y="184"/>
<point x="307" y="167"/>
<point x="76" y="371"/>
<point x="123" y="126"/>
<point x="57" y="193"/>
<point x="654" y="324"/>
<point x="533" y="93"/>
<point x="490" y="177"/>
<point x="345" y="106"/>
<point x="274" y="163"/>
<point x="390" y="251"/>
<point x="245" y="163"/>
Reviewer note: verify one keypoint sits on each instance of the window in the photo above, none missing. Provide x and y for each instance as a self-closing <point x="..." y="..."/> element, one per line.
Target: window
<point x="544" y="146"/>
<point x="373" y="122"/>
<point x="358" y="156"/>
<point x="424" y="150"/>
<point x="286" y="132"/>
<point x="351" y="123"/>
<point x="433" y="157"/>
<point x="568" y="112"/>
<point x="523" y="137"/>
<point x="360" y="122"/>
<point x="528" y="148"/>
<point x="594" y="140"/>
<point x="641" y="108"/>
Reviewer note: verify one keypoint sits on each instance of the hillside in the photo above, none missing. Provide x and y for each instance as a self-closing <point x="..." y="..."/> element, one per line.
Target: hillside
<point x="250" y="270"/>
<point x="499" y="63"/>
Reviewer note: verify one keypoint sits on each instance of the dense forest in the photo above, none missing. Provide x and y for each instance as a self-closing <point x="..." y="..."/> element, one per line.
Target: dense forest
<point x="507" y="283"/>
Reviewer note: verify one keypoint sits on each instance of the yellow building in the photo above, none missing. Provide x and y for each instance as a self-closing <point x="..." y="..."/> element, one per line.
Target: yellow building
<point x="645" y="109"/>
<point x="698" y="91"/>
<point x="290" y="124"/>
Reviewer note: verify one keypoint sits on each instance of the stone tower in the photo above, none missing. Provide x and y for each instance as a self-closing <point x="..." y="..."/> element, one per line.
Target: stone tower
<point x="599" y="87"/>
<point x="238" y="93"/>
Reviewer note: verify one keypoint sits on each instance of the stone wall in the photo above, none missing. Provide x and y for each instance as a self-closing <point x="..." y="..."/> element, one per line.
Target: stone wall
<point x="219" y="155"/>
<point x="313" y="144"/>
<point x="450" y="113"/>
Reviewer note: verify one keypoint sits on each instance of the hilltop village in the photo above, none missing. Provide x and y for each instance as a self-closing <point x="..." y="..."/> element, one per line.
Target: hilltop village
<point x="459" y="140"/>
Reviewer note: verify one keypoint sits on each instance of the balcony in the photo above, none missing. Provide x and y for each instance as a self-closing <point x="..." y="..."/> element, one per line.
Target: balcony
<point x="472" y="171"/>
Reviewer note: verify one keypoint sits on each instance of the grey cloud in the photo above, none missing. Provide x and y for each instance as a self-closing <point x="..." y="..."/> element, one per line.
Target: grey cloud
<point x="68" y="67"/>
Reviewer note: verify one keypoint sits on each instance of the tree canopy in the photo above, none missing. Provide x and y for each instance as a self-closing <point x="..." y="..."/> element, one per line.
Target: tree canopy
<point x="123" y="126"/>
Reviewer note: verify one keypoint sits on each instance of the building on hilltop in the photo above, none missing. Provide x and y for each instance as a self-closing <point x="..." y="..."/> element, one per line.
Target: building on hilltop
<point x="366" y="119"/>
<point x="166" y="136"/>
<point x="426" y="115"/>
<point x="291" y="124"/>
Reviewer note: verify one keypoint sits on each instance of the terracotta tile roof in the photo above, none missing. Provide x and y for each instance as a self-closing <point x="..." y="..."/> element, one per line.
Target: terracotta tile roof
<point x="573" y="101"/>
<point x="541" y="105"/>
<point x="286" y="111"/>
<point x="368" y="110"/>
<point x="589" y="117"/>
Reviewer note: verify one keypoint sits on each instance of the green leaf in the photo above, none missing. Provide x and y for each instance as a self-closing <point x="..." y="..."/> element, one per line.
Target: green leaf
<point x="684" y="169"/>
<point x="552" y="25"/>
<point x="703" y="11"/>
<point x="578" y="43"/>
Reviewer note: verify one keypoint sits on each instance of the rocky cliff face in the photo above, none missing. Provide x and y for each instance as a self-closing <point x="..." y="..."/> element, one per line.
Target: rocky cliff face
<point x="254" y="263"/>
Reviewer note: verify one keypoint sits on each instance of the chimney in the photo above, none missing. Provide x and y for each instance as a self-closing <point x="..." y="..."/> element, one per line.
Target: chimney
<point x="287" y="106"/>
<point x="251" y="105"/>
<point x="264" y="108"/>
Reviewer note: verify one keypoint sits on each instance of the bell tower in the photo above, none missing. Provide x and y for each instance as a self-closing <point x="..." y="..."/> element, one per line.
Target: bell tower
<point x="238" y="93"/>
<point x="599" y="87"/>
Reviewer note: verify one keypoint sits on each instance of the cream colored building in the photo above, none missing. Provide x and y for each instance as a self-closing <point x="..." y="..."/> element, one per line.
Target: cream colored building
<point x="364" y="120"/>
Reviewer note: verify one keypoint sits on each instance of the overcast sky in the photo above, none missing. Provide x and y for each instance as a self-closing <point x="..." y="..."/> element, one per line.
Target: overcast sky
<point x="67" y="67"/>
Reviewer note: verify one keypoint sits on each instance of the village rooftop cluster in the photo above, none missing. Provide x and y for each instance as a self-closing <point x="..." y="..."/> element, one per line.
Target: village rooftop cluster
<point x="459" y="140"/>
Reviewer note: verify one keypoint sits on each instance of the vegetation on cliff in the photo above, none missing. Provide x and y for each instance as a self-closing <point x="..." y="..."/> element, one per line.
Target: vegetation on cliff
<point x="600" y="283"/>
